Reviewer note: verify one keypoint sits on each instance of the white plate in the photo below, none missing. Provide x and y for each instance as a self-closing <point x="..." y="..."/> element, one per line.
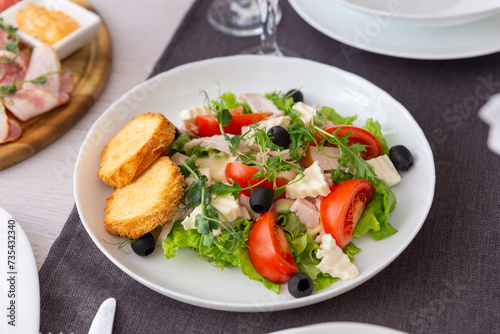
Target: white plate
<point x="384" y="36"/>
<point x="88" y="23"/>
<point x="340" y="328"/>
<point x="428" y="12"/>
<point x="189" y="278"/>
<point x="25" y="296"/>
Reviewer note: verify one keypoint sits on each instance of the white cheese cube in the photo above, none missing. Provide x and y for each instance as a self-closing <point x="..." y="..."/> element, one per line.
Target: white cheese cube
<point x="283" y="204"/>
<point x="187" y="119"/>
<point x="189" y="221"/>
<point x="305" y="112"/>
<point x="385" y="170"/>
<point x="334" y="261"/>
<point x="227" y="206"/>
<point x="311" y="185"/>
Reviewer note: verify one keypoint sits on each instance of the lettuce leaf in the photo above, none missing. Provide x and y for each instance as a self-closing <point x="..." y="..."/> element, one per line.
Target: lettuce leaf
<point x="229" y="101"/>
<point x="225" y="251"/>
<point x="332" y="115"/>
<point x="375" y="218"/>
<point x="304" y="249"/>
<point x="376" y="129"/>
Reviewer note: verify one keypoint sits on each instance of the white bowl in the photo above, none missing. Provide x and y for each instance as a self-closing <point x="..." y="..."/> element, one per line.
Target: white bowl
<point x="88" y="23"/>
<point x="428" y="13"/>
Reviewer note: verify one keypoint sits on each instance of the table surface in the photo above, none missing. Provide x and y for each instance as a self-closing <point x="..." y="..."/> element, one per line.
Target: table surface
<point x="38" y="192"/>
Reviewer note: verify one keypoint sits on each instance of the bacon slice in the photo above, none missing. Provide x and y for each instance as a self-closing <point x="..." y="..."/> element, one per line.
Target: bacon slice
<point x="4" y="124"/>
<point x="44" y="60"/>
<point x="28" y="103"/>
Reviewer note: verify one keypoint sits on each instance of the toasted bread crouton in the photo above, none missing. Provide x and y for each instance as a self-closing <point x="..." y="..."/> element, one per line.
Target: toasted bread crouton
<point x="134" y="148"/>
<point x="147" y="202"/>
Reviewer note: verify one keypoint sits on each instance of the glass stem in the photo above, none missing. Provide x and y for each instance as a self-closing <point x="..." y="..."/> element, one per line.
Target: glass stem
<point x="268" y="38"/>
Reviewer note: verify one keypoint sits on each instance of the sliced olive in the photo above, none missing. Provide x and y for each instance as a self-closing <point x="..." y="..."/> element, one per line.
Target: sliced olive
<point x="401" y="157"/>
<point x="261" y="199"/>
<point x="300" y="285"/>
<point x="177" y="133"/>
<point x="279" y="136"/>
<point x="144" y="245"/>
<point x="296" y="95"/>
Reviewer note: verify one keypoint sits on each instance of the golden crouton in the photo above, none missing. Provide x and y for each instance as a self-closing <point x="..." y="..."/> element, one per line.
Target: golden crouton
<point x="134" y="148"/>
<point x="147" y="202"/>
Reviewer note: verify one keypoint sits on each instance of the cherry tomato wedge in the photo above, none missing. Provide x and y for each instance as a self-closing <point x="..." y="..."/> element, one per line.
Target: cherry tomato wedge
<point x="208" y="127"/>
<point x="243" y="175"/>
<point x="358" y="135"/>
<point x="341" y="209"/>
<point x="268" y="249"/>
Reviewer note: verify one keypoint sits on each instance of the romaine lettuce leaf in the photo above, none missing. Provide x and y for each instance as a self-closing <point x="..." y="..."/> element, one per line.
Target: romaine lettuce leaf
<point x="375" y="218"/>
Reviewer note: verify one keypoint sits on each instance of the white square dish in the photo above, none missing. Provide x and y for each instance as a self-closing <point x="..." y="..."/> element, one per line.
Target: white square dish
<point x="88" y="23"/>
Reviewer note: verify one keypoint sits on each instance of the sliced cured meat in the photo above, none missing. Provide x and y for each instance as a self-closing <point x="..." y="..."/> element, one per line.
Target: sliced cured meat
<point x="4" y="124"/>
<point x="28" y="103"/>
<point x="44" y="60"/>
<point x="66" y="87"/>
<point x="13" y="70"/>
<point x="15" y="131"/>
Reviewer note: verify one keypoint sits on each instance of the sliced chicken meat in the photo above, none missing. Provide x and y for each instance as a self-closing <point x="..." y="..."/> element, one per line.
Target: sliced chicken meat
<point x="260" y="104"/>
<point x="307" y="212"/>
<point x="216" y="142"/>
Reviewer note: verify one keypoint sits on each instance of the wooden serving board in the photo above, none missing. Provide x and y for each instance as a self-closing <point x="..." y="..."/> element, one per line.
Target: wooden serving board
<point x="94" y="59"/>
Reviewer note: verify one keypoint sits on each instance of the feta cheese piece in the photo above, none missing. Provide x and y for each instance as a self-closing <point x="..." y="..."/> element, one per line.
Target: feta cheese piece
<point x="385" y="170"/>
<point x="228" y="206"/>
<point x="334" y="261"/>
<point x="189" y="221"/>
<point x="283" y="121"/>
<point x="283" y="204"/>
<point x="187" y="119"/>
<point x="311" y="185"/>
<point x="305" y="112"/>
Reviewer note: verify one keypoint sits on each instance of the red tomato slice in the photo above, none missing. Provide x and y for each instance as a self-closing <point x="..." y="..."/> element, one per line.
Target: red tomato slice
<point x="358" y="135"/>
<point x="341" y="209"/>
<point x="268" y="249"/>
<point x="243" y="175"/>
<point x="208" y="127"/>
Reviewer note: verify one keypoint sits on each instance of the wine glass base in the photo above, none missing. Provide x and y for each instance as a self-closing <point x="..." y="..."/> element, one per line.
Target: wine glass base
<point x="280" y="52"/>
<point x="231" y="18"/>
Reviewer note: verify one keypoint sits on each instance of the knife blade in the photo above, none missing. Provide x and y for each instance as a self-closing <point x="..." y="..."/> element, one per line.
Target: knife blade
<point x="103" y="320"/>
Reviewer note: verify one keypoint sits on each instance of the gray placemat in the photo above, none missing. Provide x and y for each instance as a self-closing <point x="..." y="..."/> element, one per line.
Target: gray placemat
<point x="446" y="281"/>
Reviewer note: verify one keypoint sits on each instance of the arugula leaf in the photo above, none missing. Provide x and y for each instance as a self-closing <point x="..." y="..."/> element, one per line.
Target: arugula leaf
<point x="218" y="188"/>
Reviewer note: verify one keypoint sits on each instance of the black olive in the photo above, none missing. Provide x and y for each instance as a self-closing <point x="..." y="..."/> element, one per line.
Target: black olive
<point x="144" y="245"/>
<point x="177" y="133"/>
<point x="279" y="136"/>
<point x="300" y="285"/>
<point x="401" y="157"/>
<point x="296" y="95"/>
<point x="261" y="199"/>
